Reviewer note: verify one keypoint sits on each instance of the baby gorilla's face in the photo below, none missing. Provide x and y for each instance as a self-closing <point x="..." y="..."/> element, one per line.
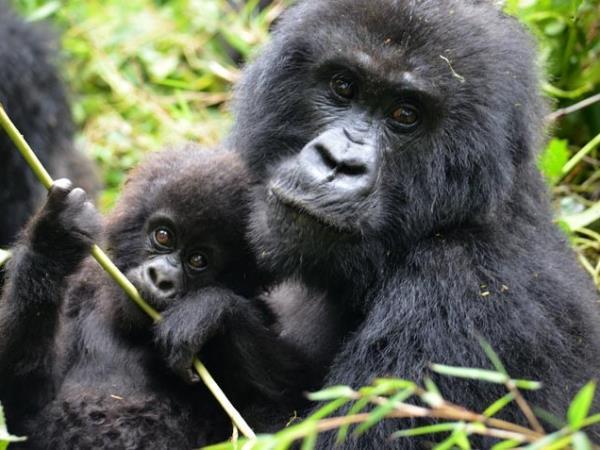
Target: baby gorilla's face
<point x="180" y="227"/>
<point x="174" y="263"/>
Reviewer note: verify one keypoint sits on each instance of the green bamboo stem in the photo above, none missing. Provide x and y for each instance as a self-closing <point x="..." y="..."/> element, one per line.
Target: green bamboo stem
<point x="105" y="262"/>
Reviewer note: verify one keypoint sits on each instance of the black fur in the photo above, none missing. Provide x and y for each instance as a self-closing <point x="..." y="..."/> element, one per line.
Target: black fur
<point x="82" y="367"/>
<point x="425" y="235"/>
<point x="34" y="97"/>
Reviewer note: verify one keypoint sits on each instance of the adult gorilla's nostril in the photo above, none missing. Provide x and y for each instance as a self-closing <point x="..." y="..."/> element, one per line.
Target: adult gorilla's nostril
<point x="166" y="286"/>
<point x="326" y="156"/>
<point x="152" y="274"/>
<point x="353" y="168"/>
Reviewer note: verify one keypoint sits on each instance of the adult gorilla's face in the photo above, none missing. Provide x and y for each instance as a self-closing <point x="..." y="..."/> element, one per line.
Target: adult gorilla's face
<point x="375" y="123"/>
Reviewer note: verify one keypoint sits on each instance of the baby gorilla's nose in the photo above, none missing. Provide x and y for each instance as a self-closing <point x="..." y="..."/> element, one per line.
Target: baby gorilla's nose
<point x="163" y="277"/>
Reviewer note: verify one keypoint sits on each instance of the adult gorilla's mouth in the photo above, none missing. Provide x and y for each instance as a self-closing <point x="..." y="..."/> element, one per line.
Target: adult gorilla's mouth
<point x="305" y="209"/>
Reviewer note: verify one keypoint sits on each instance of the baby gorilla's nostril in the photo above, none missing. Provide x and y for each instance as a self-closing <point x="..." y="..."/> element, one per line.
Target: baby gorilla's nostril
<point x="166" y="286"/>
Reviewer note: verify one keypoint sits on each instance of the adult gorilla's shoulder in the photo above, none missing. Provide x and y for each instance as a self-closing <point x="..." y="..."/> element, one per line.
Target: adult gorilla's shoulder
<point x="397" y="144"/>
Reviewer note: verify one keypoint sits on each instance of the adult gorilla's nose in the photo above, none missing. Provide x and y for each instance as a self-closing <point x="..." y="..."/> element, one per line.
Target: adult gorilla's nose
<point x="343" y="160"/>
<point x="163" y="277"/>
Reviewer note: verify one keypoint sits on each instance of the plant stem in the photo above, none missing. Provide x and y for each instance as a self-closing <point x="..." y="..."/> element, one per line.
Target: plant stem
<point x="587" y="148"/>
<point x="105" y="262"/>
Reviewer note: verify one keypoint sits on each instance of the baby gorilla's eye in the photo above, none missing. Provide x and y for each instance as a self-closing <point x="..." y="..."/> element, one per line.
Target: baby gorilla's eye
<point x="198" y="261"/>
<point x="343" y="87"/>
<point x="406" y="115"/>
<point x="163" y="237"/>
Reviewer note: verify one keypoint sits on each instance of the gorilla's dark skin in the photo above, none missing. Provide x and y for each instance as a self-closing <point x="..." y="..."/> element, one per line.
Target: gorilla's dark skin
<point x="34" y="97"/>
<point x="82" y="367"/>
<point x="397" y="142"/>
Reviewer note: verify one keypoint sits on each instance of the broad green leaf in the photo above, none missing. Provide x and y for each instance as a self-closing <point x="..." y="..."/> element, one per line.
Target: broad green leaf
<point x="553" y="159"/>
<point x="580" y="406"/>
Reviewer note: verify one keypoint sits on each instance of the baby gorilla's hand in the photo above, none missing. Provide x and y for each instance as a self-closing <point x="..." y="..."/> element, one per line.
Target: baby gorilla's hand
<point x="189" y="324"/>
<point x="67" y="225"/>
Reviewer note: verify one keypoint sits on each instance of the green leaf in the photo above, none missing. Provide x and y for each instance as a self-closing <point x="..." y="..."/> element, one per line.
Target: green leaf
<point x="4" y="257"/>
<point x="356" y="408"/>
<point x="581" y="220"/>
<point x="553" y="159"/>
<point x="554" y="27"/>
<point x="506" y="445"/>
<point x="492" y="356"/>
<point x="528" y="385"/>
<point x="379" y="413"/>
<point x="328" y="409"/>
<point x="581" y="442"/>
<point x="428" y="429"/>
<point x="310" y="441"/>
<point x="5" y="436"/>
<point x="580" y="406"/>
<point x="472" y="374"/>
<point x="332" y="393"/>
<point x="44" y="11"/>
<point x="498" y="405"/>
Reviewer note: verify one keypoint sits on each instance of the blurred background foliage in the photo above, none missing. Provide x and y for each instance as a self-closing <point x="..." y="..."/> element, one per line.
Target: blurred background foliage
<point x="146" y="73"/>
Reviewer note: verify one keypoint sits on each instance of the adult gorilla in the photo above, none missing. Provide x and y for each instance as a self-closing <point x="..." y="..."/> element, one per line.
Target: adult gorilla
<point x="397" y="143"/>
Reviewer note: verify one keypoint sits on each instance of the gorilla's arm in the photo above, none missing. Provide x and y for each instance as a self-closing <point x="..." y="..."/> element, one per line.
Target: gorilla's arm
<point x="249" y="357"/>
<point x="53" y="245"/>
<point x="453" y="291"/>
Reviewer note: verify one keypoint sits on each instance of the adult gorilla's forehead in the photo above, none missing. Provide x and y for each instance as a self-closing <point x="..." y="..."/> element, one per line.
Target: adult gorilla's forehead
<point x="443" y="40"/>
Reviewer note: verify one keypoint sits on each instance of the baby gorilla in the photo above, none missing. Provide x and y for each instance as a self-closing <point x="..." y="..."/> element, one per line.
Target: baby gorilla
<point x="82" y="367"/>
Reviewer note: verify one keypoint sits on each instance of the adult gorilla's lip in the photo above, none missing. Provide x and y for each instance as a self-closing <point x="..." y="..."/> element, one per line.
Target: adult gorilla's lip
<point x="293" y="202"/>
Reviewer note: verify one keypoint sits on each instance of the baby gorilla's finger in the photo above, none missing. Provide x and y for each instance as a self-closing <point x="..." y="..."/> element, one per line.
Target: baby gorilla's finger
<point x="87" y="221"/>
<point x="76" y="198"/>
<point x="59" y="191"/>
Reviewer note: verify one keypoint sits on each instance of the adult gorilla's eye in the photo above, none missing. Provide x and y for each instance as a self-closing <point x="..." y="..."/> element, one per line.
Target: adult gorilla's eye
<point x="343" y="87"/>
<point x="406" y="115"/>
<point x="163" y="237"/>
<point x="198" y="261"/>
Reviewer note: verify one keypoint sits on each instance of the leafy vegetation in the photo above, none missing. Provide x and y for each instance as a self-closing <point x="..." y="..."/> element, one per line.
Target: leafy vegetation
<point x="568" y="33"/>
<point x="146" y="73"/>
<point x="393" y="399"/>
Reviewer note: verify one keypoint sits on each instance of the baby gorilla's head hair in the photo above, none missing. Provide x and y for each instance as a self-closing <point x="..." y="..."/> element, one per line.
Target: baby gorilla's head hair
<point x="180" y="225"/>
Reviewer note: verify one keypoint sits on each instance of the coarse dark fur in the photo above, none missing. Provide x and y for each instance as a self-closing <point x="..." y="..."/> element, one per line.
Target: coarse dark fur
<point x="33" y="95"/>
<point x="82" y="367"/>
<point x="397" y="141"/>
